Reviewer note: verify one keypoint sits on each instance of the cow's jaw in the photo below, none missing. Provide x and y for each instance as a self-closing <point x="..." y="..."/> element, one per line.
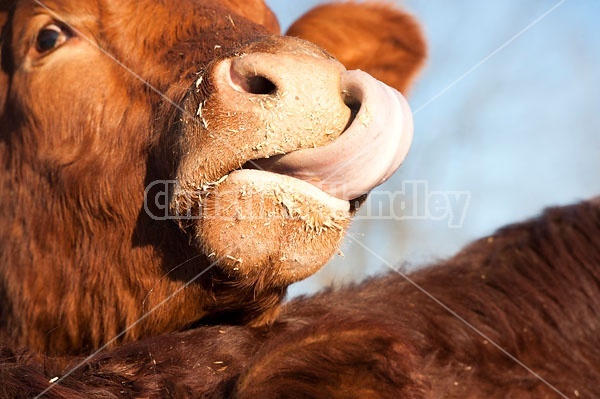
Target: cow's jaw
<point x="310" y="154"/>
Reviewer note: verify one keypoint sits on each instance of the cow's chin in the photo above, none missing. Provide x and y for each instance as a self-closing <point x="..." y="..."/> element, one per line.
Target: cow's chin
<point x="264" y="225"/>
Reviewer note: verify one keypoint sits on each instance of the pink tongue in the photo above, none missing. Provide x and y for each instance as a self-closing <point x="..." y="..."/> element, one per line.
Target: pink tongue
<point x="366" y="154"/>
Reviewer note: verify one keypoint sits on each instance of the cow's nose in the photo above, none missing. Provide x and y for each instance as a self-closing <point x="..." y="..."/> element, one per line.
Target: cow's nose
<point x="283" y="74"/>
<point x="293" y="93"/>
<point x="283" y="65"/>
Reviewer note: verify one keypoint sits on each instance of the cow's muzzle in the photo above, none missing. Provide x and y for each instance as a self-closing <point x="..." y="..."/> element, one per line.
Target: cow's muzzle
<point x="276" y="139"/>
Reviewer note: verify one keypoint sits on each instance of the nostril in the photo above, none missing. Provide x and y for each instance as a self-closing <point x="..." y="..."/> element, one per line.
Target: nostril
<point x="260" y="85"/>
<point x="244" y="80"/>
<point x="354" y="105"/>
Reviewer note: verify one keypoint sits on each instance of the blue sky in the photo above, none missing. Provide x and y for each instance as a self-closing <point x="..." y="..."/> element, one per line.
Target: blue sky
<point x="520" y="132"/>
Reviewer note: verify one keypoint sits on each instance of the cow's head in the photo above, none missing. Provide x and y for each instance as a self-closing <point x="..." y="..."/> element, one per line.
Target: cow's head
<point x="175" y="161"/>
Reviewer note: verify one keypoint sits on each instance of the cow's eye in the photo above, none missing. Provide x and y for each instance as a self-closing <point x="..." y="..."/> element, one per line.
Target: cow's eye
<point x="50" y="37"/>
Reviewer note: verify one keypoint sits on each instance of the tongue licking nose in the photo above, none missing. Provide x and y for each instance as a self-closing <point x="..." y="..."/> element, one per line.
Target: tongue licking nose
<point x="366" y="154"/>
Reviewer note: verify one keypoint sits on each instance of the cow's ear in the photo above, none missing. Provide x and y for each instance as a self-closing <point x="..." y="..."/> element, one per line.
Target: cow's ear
<point x="377" y="38"/>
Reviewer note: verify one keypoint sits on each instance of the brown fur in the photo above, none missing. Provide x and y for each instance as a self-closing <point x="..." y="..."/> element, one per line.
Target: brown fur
<point x="532" y="288"/>
<point x="81" y="137"/>
<point x="80" y="260"/>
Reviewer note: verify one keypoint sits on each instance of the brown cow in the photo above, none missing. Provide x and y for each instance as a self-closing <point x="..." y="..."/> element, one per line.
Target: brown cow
<point x="514" y="315"/>
<point x="79" y="254"/>
<point x="132" y="138"/>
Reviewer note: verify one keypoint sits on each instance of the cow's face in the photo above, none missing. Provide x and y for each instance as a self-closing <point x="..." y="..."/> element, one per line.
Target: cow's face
<point x="147" y="145"/>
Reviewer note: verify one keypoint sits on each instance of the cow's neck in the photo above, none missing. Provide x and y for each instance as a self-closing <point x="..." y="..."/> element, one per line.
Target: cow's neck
<point x="56" y="255"/>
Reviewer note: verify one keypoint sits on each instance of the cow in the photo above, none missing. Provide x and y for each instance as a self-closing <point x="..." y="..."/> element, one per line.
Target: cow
<point x="513" y="315"/>
<point x="172" y="164"/>
<point x="139" y="201"/>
